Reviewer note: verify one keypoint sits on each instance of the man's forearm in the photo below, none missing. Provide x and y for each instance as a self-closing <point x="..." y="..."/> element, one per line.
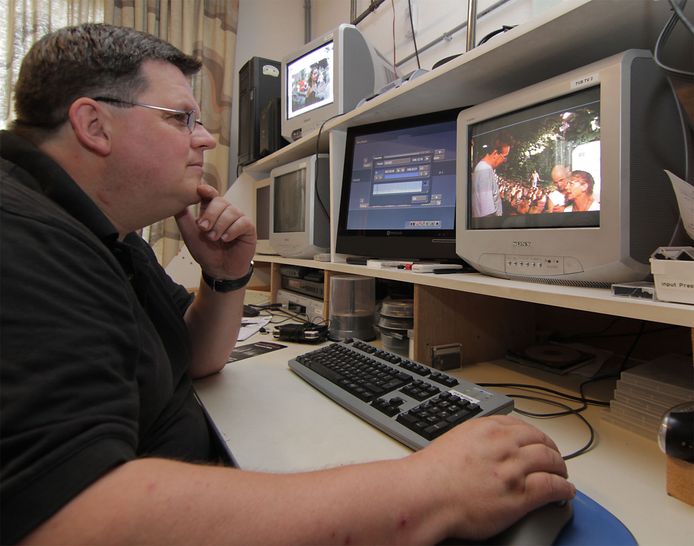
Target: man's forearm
<point x="471" y="482"/>
<point x="167" y="502"/>
<point x="213" y="321"/>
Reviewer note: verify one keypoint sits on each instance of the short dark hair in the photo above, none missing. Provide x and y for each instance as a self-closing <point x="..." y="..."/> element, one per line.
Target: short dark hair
<point x="585" y="177"/>
<point x="500" y="142"/>
<point x="85" y="61"/>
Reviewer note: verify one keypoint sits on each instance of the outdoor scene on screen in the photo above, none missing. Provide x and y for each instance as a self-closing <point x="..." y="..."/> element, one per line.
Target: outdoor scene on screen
<point x="309" y="81"/>
<point x="543" y="161"/>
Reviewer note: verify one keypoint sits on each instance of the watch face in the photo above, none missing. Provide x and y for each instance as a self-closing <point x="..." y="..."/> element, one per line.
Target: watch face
<point x="676" y="432"/>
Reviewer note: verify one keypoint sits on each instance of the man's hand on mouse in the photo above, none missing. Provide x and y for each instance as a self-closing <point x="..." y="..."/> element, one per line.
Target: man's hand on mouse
<point x="494" y="471"/>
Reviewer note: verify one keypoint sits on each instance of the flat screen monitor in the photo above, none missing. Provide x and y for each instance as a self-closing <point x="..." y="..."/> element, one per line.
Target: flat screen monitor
<point x="563" y="182"/>
<point x="398" y="193"/>
<point x="328" y="77"/>
<point x="299" y="201"/>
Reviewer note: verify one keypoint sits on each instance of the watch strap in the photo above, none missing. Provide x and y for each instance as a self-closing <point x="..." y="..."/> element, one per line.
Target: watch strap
<point x="225" y="285"/>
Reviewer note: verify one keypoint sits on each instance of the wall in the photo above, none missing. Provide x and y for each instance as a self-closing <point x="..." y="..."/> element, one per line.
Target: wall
<point x="273" y="28"/>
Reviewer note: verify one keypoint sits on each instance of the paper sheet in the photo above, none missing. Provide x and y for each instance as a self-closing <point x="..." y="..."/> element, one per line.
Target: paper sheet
<point x="685" y="201"/>
<point x="250" y="325"/>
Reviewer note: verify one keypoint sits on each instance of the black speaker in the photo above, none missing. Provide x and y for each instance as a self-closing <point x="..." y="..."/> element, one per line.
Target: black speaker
<point x="259" y="86"/>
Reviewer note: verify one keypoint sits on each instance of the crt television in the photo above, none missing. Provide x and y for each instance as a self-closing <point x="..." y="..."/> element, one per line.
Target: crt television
<point x="299" y="201"/>
<point x="613" y="126"/>
<point x="399" y="189"/>
<point x="262" y="216"/>
<point x="328" y="77"/>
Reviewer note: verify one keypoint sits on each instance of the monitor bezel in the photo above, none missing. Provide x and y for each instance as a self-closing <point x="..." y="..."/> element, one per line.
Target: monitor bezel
<point x="298" y="244"/>
<point x="544" y="220"/>
<point x="616" y="250"/>
<point x="390" y="244"/>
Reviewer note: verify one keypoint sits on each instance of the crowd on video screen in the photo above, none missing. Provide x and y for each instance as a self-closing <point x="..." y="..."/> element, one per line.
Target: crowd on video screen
<point x="547" y="165"/>
<point x="311" y="85"/>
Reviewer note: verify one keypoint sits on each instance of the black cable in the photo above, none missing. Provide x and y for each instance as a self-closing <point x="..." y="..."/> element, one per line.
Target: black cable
<point x="392" y="6"/>
<point x="568" y="411"/>
<point x="273" y="309"/>
<point x="679" y="11"/>
<point x="288" y="315"/>
<point x="601" y="334"/>
<point x="414" y="38"/>
<point x="373" y="4"/>
<point x="315" y="174"/>
<point x="677" y="16"/>
<point x="491" y="35"/>
<point x="585" y="401"/>
<point x="622" y="366"/>
<point x="582" y="399"/>
<point x="585" y="335"/>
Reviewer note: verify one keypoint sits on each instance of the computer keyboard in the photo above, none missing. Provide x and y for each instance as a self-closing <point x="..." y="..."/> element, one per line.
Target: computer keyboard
<point x="408" y="401"/>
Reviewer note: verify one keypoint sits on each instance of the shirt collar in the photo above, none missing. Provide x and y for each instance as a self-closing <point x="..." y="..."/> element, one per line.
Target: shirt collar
<point x="56" y="184"/>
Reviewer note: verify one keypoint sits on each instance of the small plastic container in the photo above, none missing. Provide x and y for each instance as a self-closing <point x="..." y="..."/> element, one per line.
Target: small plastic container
<point x="395" y="341"/>
<point x="352" y="306"/>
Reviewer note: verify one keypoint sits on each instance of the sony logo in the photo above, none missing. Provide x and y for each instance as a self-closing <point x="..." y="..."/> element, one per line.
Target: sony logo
<point x="522" y="243"/>
<point x="391" y="233"/>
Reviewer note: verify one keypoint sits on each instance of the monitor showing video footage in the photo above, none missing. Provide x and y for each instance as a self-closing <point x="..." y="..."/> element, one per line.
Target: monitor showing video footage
<point x="538" y="166"/>
<point x="310" y="78"/>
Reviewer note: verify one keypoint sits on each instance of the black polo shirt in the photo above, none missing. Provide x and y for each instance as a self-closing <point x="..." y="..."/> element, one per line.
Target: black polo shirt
<point x="94" y="351"/>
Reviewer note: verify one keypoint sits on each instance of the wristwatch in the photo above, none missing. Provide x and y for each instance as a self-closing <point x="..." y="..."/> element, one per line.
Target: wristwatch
<point x="224" y="285"/>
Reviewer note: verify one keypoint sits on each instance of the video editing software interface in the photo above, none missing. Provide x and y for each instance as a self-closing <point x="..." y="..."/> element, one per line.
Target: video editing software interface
<point x="310" y="81"/>
<point x="402" y="179"/>
<point x="563" y="132"/>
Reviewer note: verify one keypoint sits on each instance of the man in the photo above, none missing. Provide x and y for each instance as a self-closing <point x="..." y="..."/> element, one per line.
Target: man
<point x="557" y="197"/>
<point x="486" y="200"/>
<point x="101" y="438"/>
<point x="580" y="192"/>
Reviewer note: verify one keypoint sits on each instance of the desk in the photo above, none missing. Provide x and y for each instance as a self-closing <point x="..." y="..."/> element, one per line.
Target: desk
<point x="273" y="421"/>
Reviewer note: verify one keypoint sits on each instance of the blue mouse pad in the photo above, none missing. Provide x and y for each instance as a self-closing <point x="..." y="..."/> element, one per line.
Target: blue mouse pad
<point x="592" y="524"/>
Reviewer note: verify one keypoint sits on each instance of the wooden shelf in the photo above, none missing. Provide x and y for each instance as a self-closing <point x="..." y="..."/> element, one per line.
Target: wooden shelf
<point x="594" y="300"/>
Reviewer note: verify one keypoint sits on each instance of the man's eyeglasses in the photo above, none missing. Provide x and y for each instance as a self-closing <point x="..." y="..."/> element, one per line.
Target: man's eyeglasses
<point x="184" y="118"/>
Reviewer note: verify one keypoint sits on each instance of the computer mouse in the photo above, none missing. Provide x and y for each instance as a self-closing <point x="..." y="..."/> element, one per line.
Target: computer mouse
<point x="541" y="527"/>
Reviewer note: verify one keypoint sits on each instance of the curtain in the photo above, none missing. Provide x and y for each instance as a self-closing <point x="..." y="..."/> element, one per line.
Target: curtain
<point x="206" y="29"/>
<point x="25" y="22"/>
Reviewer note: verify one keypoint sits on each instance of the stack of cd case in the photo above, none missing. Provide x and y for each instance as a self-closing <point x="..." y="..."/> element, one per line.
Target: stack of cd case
<point x="646" y="392"/>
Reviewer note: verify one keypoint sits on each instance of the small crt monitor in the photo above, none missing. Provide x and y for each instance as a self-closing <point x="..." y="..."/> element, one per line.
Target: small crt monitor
<point x="299" y="201"/>
<point x="262" y="216"/>
<point x="564" y="181"/>
<point x="328" y="77"/>
<point x="398" y="193"/>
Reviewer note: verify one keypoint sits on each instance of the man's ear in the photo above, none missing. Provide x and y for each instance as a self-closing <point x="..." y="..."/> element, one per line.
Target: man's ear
<point x="91" y="124"/>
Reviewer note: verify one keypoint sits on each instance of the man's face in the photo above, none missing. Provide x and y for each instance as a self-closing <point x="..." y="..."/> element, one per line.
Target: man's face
<point x="560" y="177"/>
<point x="500" y="158"/>
<point x="159" y="161"/>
